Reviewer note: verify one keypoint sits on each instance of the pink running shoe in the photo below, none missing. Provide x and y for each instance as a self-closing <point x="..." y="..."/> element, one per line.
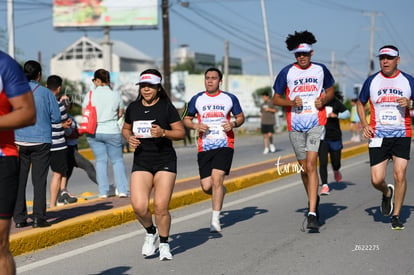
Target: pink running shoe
<point x="337" y="176"/>
<point x="324" y="190"/>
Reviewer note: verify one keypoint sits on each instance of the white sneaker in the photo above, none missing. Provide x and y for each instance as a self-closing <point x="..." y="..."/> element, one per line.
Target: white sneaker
<point x="148" y="248"/>
<point x="272" y="148"/>
<point x="266" y="151"/>
<point x="165" y="254"/>
<point x="215" y="225"/>
<point x="123" y="195"/>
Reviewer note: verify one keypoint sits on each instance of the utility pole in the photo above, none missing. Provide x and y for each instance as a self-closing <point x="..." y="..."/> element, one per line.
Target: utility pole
<point x="10" y="26"/>
<point x="269" y="55"/>
<point x="107" y="50"/>
<point x="166" y="48"/>
<point x="226" y="66"/>
<point x="371" y="44"/>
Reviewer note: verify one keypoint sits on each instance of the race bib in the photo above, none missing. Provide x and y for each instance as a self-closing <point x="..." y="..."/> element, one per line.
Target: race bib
<point x="328" y="110"/>
<point x="308" y="107"/>
<point x="215" y="131"/>
<point x="374" y="142"/>
<point x="390" y="117"/>
<point x="142" y="128"/>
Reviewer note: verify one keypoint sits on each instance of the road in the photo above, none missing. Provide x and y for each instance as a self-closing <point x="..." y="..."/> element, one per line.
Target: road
<point x="248" y="149"/>
<point x="261" y="235"/>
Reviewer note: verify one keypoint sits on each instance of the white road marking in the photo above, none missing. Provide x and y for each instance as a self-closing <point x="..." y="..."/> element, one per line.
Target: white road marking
<point x="117" y="239"/>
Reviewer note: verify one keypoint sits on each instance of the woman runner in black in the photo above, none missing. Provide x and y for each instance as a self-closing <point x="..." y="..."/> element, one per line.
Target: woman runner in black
<point x="151" y="123"/>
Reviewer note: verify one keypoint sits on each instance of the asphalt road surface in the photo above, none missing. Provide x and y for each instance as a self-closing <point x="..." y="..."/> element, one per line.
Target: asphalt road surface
<point x="261" y="235"/>
<point x="248" y="149"/>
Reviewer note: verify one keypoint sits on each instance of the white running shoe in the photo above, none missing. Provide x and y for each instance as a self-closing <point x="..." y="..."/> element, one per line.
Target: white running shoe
<point x="272" y="148"/>
<point x="266" y="151"/>
<point x="165" y="253"/>
<point x="148" y="248"/>
<point x="215" y="225"/>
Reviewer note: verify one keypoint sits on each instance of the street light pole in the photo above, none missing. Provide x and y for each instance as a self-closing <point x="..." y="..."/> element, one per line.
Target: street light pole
<point x="10" y="27"/>
<point x="269" y="55"/>
<point x="166" y="47"/>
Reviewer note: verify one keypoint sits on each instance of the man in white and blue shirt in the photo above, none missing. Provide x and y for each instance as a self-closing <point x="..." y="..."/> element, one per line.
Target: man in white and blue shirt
<point x="390" y="93"/>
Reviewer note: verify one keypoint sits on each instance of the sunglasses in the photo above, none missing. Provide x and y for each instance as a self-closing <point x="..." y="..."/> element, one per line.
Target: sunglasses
<point x="144" y="85"/>
<point x="299" y="54"/>
<point x="382" y="57"/>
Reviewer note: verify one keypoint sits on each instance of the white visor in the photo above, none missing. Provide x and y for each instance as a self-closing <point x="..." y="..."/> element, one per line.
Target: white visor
<point x="149" y="78"/>
<point x="388" y="51"/>
<point x="303" y="48"/>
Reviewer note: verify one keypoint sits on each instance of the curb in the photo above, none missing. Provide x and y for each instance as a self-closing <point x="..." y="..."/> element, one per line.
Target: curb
<point x="35" y="239"/>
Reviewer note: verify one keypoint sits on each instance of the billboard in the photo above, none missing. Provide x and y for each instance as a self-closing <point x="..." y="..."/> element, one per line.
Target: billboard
<point x="105" y="13"/>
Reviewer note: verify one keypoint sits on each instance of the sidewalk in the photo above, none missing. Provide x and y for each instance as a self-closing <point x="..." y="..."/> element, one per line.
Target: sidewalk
<point x="76" y="220"/>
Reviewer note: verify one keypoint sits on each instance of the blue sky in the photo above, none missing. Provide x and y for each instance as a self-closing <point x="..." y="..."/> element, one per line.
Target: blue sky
<point x="342" y="29"/>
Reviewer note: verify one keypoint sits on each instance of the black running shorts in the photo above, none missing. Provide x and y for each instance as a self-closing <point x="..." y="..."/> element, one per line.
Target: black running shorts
<point x="154" y="165"/>
<point x="399" y="147"/>
<point x="267" y="128"/>
<point x="9" y="181"/>
<point x="220" y="158"/>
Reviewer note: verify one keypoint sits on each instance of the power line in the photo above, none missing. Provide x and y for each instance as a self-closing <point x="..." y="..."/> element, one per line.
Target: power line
<point x="217" y="36"/>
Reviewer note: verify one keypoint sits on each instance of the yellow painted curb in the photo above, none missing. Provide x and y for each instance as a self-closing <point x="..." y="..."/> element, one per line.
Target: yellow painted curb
<point x="34" y="239"/>
<point x="87" y="153"/>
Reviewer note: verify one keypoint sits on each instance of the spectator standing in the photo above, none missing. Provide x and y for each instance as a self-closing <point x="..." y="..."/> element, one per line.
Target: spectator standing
<point x="213" y="108"/>
<point x="17" y="110"/>
<point x="75" y="159"/>
<point x="34" y="149"/>
<point x="355" y="126"/>
<point x="151" y="123"/>
<point x="107" y="140"/>
<point x="268" y="120"/>
<point x="59" y="149"/>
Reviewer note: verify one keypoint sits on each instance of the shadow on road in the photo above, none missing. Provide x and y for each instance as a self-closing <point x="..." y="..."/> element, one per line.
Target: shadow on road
<point x="58" y="215"/>
<point x="338" y="186"/>
<point x="375" y="212"/>
<point x="184" y="241"/>
<point x="326" y="211"/>
<point x="120" y="270"/>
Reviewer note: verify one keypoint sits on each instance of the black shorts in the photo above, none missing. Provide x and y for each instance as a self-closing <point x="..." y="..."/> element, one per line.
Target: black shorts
<point x="59" y="161"/>
<point x="220" y="158"/>
<point x="9" y="181"/>
<point x="154" y="165"/>
<point x="399" y="147"/>
<point x="267" y="128"/>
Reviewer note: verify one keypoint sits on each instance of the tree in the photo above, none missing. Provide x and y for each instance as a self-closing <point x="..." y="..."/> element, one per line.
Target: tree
<point x="188" y="65"/>
<point x="257" y="94"/>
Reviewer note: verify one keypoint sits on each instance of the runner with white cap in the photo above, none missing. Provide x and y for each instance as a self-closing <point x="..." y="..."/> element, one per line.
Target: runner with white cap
<point x="390" y="92"/>
<point x="308" y="86"/>
<point x="151" y="124"/>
